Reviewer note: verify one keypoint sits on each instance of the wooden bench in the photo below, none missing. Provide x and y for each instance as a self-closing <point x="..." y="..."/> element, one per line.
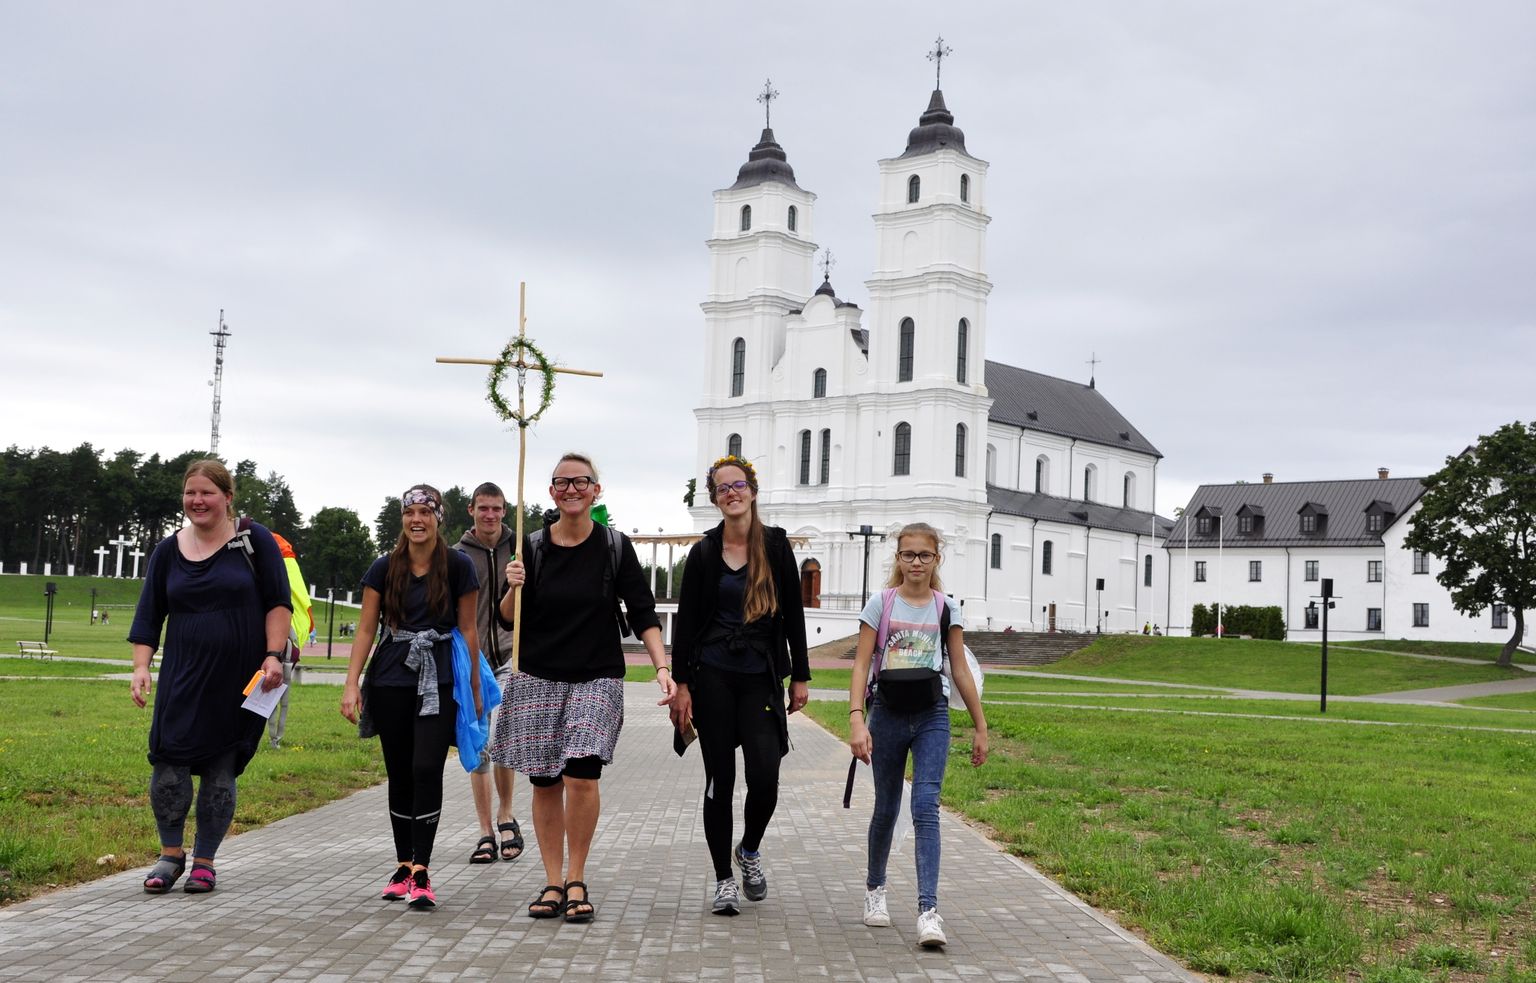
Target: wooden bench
<point x="38" y="649"/>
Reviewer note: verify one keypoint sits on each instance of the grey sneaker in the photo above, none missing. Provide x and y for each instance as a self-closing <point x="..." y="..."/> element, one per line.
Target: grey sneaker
<point x="727" y="899"/>
<point x="930" y="930"/>
<point x="754" y="883"/>
<point x="875" y="913"/>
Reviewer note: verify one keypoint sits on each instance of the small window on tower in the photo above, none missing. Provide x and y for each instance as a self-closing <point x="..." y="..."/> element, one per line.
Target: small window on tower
<point x="965" y="187"/>
<point x="793" y="218"/>
<point x="746" y="218"/>
<point x="914" y="187"/>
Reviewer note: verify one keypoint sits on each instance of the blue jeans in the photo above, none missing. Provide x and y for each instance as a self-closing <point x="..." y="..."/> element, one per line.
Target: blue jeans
<point x="926" y="736"/>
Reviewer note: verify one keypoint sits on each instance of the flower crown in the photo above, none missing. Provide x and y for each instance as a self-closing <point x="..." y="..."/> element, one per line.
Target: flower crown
<point x="730" y="460"/>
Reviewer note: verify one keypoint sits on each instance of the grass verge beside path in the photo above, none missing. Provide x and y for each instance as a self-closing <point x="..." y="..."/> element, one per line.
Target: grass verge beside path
<point x="10" y="666"/>
<point x="1509" y="701"/>
<point x="1281" y="667"/>
<point x="1254" y="850"/>
<point x="1396" y="713"/>
<point x="74" y="779"/>
<point x="1484" y="651"/>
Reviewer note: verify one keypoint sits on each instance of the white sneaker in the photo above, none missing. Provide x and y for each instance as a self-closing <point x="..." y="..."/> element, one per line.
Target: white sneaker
<point x="875" y="913"/>
<point x="930" y="930"/>
<point x="727" y="897"/>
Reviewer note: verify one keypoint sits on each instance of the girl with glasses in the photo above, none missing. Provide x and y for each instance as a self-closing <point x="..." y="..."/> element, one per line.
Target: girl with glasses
<point x="899" y="708"/>
<point x="740" y="630"/>
<point x="564" y="704"/>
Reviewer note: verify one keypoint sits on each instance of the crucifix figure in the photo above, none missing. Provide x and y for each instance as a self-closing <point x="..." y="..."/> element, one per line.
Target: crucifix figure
<point x="766" y="97"/>
<point x="516" y="356"/>
<point x="101" y="558"/>
<point x="137" y="555"/>
<point x="120" y="542"/>
<point x="940" y="52"/>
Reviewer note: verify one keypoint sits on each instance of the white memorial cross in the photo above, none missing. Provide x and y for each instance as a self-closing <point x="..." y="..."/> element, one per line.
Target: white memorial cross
<point x="137" y="555"/>
<point x="120" y="542"/>
<point x="101" y="559"/>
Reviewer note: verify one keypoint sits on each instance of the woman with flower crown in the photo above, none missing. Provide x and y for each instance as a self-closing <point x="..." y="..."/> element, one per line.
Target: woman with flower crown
<point x="740" y="631"/>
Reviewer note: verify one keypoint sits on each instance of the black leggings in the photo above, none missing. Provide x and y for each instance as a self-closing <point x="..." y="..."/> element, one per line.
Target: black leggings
<point x="415" y="748"/>
<point x="730" y="709"/>
<point x="170" y="796"/>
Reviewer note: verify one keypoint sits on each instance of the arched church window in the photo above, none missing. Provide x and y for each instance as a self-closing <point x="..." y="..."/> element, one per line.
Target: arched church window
<point x="902" y="459"/>
<point x="1090" y="473"/>
<point x="1045" y="558"/>
<point x="965" y="188"/>
<point x="907" y="340"/>
<point x="819" y="384"/>
<point x="1146" y="573"/>
<point x="997" y="551"/>
<point x="738" y="366"/>
<point x="794" y="217"/>
<point x="1130" y="489"/>
<point x="805" y="457"/>
<point x="991" y="464"/>
<point x="914" y="186"/>
<point x="959" y="450"/>
<point x="1042" y="474"/>
<point x="826" y="456"/>
<point x="733" y="445"/>
<point x="746" y="218"/>
<point x="962" y="352"/>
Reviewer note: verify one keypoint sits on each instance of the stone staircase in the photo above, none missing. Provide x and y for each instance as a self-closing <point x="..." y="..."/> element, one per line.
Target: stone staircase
<point x="1021" y="648"/>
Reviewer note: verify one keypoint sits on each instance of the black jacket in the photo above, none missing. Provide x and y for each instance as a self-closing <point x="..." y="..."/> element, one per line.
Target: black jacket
<point x="696" y="606"/>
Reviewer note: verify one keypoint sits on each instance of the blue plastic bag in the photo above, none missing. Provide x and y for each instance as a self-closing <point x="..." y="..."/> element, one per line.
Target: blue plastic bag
<point x="472" y="733"/>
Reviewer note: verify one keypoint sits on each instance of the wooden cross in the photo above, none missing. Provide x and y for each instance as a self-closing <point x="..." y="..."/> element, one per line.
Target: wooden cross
<point x="522" y="366"/>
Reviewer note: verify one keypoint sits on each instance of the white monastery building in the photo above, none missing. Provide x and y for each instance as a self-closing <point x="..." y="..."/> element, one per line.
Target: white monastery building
<point x="1274" y="543"/>
<point x="854" y="418"/>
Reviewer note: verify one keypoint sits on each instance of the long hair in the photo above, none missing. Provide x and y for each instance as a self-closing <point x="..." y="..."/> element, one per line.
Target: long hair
<point x="398" y="576"/>
<point x="761" y="598"/>
<point x="214" y="470"/>
<point x="918" y="529"/>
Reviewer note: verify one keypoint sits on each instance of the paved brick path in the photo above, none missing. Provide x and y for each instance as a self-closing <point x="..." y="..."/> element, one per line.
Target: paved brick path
<point x="297" y="900"/>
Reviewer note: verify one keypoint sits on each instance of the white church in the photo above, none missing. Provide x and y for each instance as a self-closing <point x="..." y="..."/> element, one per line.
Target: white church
<point x="1046" y="495"/>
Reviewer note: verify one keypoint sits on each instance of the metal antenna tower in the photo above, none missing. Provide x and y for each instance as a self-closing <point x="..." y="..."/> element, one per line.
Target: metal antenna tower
<point x="220" y="339"/>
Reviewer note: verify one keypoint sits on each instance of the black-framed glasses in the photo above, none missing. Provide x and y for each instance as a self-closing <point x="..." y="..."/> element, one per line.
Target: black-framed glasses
<point x="581" y="482"/>
<point x="925" y="557"/>
<point x="725" y="486"/>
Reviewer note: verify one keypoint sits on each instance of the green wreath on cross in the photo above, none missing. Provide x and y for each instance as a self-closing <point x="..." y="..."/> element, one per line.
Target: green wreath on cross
<point x="520" y="347"/>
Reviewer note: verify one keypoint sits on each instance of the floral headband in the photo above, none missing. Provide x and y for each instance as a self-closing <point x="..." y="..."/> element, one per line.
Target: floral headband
<point x="422" y="495"/>
<point x="730" y="460"/>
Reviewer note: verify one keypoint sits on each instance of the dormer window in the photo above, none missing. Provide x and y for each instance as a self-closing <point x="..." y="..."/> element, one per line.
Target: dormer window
<point x="793" y="219"/>
<point x="1375" y="522"/>
<point x="1203" y="525"/>
<point x="1378" y="515"/>
<point x="965" y="188"/>
<point x="1250" y="520"/>
<point x="1245" y="524"/>
<point x="914" y="187"/>
<point x="1207" y="519"/>
<point x="1313" y="519"/>
<point x="746" y="218"/>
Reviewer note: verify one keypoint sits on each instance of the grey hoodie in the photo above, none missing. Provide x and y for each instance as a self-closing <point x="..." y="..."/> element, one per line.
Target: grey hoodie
<point x="491" y="569"/>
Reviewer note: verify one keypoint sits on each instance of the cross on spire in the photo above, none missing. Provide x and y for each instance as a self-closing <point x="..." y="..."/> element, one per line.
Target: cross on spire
<point x="937" y="55"/>
<point x="826" y="264"/>
<point x="766" y="97"/>
<point x="1093" y="367"/>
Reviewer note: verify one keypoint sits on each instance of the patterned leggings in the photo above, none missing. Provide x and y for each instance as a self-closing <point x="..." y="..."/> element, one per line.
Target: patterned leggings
<point x="170" y="796"/>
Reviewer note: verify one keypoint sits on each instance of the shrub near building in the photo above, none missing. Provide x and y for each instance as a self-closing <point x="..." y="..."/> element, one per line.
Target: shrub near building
<point x="1255" y="622"/>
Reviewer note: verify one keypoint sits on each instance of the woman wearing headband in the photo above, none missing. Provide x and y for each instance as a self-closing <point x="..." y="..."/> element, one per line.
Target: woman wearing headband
<point x="740" y="630"/>
<point x="421" y="591"/>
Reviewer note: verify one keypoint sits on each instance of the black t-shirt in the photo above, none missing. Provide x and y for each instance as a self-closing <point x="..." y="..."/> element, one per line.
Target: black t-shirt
<point x="727" y="644"/>
<point x="569" y="631"/>
<point x="389" y="668"/>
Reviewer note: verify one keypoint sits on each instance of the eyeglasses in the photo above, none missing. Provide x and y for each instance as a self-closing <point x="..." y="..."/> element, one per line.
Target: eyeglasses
<point x="925" y="557"/>
<point x="726" y="486"/>
<point x="580" y="482"/>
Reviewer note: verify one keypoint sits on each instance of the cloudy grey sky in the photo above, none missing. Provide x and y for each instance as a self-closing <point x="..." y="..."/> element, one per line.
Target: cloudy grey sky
<point x="1298" y="235"/>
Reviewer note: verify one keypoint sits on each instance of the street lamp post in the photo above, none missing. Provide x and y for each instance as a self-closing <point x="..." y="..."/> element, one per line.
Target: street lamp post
<point x="1328" y="602"/>
<point x="868" y="532"/>
<point x="330" y="621"/>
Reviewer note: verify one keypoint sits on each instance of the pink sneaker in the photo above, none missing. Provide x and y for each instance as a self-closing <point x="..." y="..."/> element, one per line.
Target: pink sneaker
<point x="399" y="886"/>
<point x="421" y="891"/>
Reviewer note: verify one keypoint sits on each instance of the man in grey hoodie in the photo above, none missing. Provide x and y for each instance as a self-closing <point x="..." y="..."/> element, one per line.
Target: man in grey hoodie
<point x="489" y="544"/>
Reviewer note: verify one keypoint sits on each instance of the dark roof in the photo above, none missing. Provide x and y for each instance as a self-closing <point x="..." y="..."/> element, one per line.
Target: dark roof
<point x="1047" y="404"/>
<point x="935" y="130"/>
<point x="1345" y="504"/>
<point x="1034" y="505"/>
<point x="825" y="290"/>
<point x="766" y="162"/>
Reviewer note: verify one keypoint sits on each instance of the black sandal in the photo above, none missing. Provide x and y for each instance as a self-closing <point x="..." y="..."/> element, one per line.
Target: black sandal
<point x="540" y="908"/>
<point x="164" y="874"/>
<point x="485" y="851"/>
<point x="514" y="842"/>
<point x="572" y="915"/>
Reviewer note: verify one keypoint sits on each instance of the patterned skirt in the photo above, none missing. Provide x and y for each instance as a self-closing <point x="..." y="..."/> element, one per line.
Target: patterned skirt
<point x="544" y="723"/>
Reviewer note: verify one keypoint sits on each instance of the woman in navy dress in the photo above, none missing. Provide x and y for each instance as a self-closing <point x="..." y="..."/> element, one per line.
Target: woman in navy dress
<point x="225" y="593"/>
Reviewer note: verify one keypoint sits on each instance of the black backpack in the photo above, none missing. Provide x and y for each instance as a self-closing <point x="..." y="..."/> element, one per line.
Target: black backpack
<point x="537" y="541"/>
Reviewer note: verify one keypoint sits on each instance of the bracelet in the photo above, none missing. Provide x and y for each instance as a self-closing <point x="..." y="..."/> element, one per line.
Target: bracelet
<point x="857" y="710"/>
<point x="660" y="668"/>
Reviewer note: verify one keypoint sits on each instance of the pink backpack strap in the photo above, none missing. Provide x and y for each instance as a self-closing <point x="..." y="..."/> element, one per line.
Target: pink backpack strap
<point x="882" y="634"/>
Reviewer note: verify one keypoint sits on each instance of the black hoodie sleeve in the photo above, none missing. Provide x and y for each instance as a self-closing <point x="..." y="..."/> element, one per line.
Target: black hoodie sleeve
<point x="792" y="611"/>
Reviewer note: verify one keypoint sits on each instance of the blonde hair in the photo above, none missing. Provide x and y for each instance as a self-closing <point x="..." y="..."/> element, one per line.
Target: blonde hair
<point x="577" y="456"/>
<point x="214" y="470"/>
<point x="932" y="534"/>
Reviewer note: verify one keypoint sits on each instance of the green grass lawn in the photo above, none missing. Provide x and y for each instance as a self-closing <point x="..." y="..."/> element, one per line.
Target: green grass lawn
<point x="1511" y="701"/>
<point x="1270" y="850"/>
<point x="13" y="666"/>
<point x="1281" y="667"/>
<point x="74" y="779"/>
<point x="1337" y="711"/>
<point x="1485" y="651"/>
